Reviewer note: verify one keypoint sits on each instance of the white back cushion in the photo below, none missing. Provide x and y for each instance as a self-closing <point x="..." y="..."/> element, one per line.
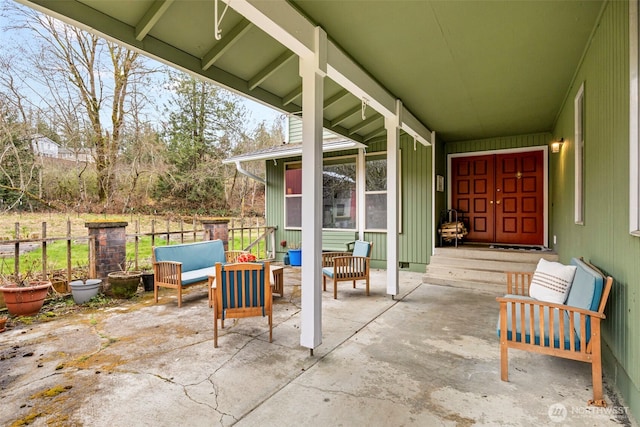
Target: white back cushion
<point x="551" y="281"/>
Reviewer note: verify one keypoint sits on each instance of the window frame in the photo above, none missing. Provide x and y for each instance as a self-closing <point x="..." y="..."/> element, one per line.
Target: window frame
<point x="382" y="155"/>
<point x="634" y="120"/>
<point x="287" y="196"/>
<point x="355" y="162"/>
<point x="579" y="144"/>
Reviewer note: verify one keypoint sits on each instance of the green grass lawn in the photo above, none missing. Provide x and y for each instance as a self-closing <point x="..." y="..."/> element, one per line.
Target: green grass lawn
<point x="57" y="256"/>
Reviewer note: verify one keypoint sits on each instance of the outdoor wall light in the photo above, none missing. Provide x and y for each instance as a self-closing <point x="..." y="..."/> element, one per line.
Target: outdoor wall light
<point x="557" y="145"/>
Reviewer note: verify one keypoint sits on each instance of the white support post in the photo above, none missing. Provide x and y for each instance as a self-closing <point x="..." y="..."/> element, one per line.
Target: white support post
<point x="434" y="218"/>
<point x="361" y="183"/>
<point x="312" y="71"/>
<point x="393" y="141"/>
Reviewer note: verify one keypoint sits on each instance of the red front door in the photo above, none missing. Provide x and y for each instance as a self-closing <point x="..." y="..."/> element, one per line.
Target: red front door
<point x="501" y="196"/>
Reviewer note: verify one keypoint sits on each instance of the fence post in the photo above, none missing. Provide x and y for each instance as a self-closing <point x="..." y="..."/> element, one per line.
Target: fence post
<point x="216" y="229"/>
<point x="109" y="241"/>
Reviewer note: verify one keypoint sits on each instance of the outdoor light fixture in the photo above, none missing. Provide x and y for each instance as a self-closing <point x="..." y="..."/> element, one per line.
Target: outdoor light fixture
<point x="557" y="145"/>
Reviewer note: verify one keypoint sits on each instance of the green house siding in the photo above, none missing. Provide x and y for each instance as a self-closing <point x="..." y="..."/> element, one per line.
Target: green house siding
<point x="501" y="143"/>
<point x="414" y="241"/>
<point x="604" y="238"/>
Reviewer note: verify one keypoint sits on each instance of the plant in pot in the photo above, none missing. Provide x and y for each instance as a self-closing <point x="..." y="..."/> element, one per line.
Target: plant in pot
<point x="147" y="277"/>
<point x="124" y="283"/>
<point x="83" y="288"/>
<point x="23" y="294"/>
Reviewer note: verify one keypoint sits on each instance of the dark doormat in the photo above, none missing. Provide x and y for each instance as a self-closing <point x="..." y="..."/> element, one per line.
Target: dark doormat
<point x="520" y="248"/>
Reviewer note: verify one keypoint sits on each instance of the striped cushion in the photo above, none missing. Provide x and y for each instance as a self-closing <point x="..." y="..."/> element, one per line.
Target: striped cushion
<point x="551" y="281"/>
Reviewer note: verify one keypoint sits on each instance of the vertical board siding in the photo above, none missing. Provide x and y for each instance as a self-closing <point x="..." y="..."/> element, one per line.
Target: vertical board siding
<point x="501" y="143"/>
<point x="604" y="238"/>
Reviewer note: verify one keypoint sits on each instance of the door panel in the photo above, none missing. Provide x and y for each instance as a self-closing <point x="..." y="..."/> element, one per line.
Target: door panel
<point x="501" y="196"/>
<point x="520" y="198"/>
<point x="473" y="194"/>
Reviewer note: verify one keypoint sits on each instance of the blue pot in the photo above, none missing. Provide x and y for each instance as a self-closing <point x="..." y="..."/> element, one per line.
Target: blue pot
<point x="295" y="257"/>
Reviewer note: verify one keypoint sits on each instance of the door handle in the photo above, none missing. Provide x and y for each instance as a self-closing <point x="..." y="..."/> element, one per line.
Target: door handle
<point x="498" y="202"/>
<point x="491" y="202"/>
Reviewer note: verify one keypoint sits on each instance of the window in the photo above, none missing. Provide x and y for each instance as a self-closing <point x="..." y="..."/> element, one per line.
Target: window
<point x="339" y="199"/>
<point x="634" y="123"/>
<point x="293" y="195"/>
<point x="579" y="155"/>
<point x="376" y="192"/>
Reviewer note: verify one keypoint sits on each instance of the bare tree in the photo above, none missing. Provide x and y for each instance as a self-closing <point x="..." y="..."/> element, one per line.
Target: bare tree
<point x="88" y="83"/>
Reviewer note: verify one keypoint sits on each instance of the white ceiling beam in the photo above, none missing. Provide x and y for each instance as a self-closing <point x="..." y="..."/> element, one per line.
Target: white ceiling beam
<point x="270" y="69"/>
<point x="288" y="26"/>
<point x="151" y="17"/>
<point x="415" y="128"/>
<point x="228" y="40"/>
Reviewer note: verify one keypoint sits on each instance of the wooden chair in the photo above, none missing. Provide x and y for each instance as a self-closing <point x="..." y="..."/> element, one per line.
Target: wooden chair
<point x="242" y="290"/>
<point x="345" y="266"/>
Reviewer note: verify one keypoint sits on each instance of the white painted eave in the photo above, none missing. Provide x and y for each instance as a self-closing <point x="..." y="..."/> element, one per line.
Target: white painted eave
<point x="292" y="151"/>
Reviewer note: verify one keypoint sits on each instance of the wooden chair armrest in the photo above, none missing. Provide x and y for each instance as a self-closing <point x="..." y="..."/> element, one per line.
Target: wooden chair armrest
<point x="327" y="257"/>
<point x="518" y="282"/>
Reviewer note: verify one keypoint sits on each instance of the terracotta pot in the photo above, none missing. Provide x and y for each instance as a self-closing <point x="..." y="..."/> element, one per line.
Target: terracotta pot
<point x="124" y="284"/>
<point x="25" y="300"/>
<point x="3" y="324"/>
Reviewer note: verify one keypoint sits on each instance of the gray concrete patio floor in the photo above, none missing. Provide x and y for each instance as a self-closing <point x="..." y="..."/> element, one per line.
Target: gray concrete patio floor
<point x="428" y="357"/>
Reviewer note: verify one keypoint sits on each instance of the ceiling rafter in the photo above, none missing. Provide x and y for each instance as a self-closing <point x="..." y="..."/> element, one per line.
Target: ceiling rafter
<point x="292" y="96"/>
<point x="364" y="124"/>
<point x="373" y="134"/>
<point x="335" y="98"/>
<point x="344" y="116"/>
<point x="270" y="69"/>
<point x="151" y="18"/>
<point x="228" y="40"/>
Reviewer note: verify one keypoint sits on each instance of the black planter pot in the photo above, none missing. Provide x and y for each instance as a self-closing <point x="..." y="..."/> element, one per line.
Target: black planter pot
<point x="147" y="281"/>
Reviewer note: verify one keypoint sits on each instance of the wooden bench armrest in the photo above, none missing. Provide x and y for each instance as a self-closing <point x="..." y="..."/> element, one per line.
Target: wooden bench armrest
<point x="518" y="282"/>
<point x="168" y="272"/>
<point x="536" y="303"/>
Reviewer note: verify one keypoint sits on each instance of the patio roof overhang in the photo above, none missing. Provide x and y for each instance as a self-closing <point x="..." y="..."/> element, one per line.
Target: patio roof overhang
<point x="466" y="69"/>
<point x="365" y="70"/>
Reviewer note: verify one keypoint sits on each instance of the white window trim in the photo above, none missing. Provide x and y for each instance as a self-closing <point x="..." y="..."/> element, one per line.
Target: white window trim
<point x="286" y="196"/>
<point x="634" y="126"/>
<point x="382" y="154"/>
<point x="578" y="108"/>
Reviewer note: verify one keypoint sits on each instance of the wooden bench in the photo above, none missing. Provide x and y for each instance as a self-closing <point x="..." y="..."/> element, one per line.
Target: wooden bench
<point x="177" y="266"/>
<point x="570" y="330"/>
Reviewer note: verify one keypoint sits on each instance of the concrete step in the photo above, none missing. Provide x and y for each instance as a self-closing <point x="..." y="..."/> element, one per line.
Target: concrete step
<point x="472" y="252"/>
<point x="480" y="267"/>
<point x="481" y="264"/>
